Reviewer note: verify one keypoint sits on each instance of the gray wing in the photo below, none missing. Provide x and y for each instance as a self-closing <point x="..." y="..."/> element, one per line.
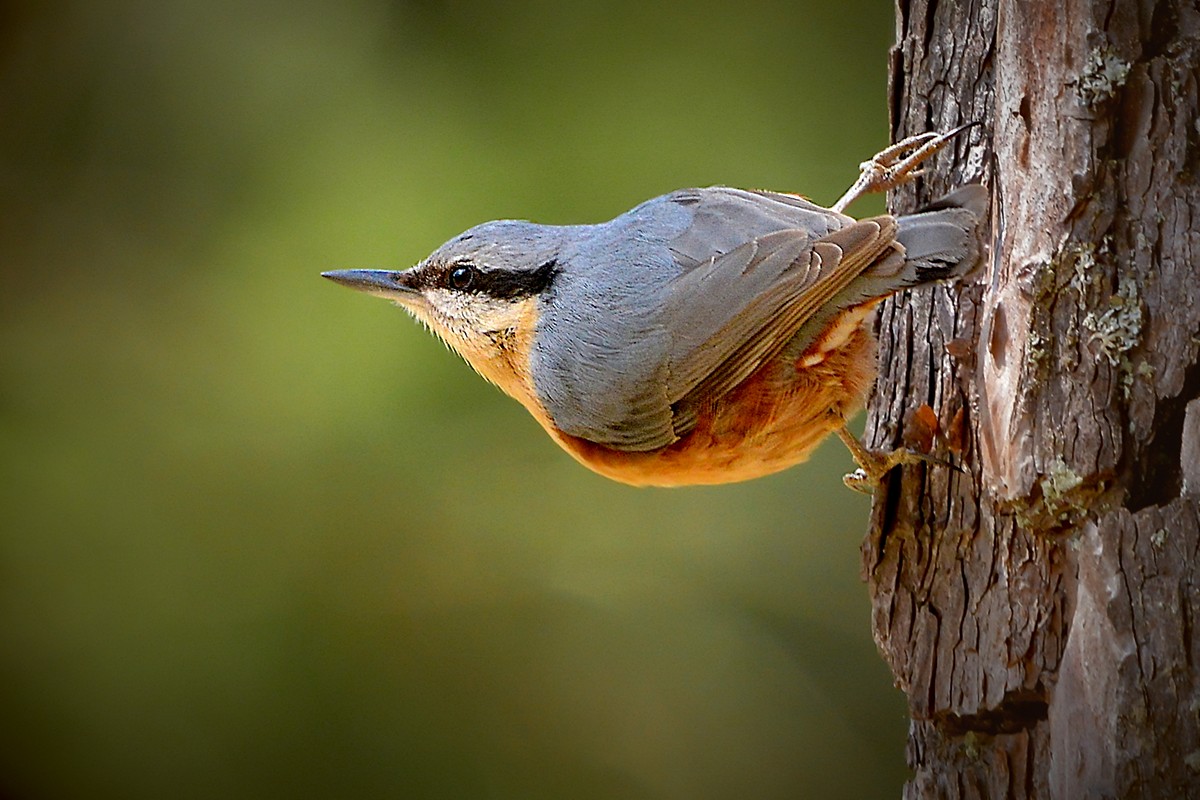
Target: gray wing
<point x="749" y="270"/>
<point x="743" y="308"/>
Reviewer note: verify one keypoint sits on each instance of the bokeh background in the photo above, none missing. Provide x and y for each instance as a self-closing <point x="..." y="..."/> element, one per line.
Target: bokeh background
<point x="263" y="537"/>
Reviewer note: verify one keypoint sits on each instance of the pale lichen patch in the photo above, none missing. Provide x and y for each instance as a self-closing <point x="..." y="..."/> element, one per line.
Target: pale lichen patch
<point x="1103" y="73"/>
<point x="1118" y="329"/>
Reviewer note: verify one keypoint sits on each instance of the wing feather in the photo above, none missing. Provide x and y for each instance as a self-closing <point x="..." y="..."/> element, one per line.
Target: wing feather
<point x="693" y="309"/>
<point x="802" y="277"/>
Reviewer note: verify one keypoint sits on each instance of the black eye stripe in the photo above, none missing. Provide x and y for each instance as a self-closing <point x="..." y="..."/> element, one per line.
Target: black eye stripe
<point x="502" y="284"/>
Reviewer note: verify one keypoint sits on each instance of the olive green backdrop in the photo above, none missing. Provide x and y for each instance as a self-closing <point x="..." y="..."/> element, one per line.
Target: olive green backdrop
<point x="263" y="537"/>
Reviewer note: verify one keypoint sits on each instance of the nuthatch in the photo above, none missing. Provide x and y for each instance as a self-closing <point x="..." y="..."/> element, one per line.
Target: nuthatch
<point x="706" y="336"/>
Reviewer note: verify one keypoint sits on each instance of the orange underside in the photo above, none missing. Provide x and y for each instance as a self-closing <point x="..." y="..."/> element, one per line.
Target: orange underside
<point x="771" y="421"/>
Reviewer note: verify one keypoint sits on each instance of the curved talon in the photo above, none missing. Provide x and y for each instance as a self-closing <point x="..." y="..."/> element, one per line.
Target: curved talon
<point x="890" y="167"/>
<point x="874" y="466"/>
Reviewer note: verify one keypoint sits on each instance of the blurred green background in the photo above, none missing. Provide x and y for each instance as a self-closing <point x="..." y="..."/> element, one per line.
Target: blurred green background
<point x="263" y="537"/>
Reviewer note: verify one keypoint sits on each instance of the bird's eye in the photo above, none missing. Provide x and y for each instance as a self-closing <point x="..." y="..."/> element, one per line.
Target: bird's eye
<point x="461" y="277"/>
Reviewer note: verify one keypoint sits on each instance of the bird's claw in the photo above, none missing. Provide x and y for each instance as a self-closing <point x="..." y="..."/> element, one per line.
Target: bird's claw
<point x="896" y="165"/>
<point x="873" y="466"/>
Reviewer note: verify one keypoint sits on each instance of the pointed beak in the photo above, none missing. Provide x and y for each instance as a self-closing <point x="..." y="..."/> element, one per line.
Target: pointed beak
<point x="379" y="282"/>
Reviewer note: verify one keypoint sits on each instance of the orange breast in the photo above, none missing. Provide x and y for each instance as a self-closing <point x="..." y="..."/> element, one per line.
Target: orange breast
<point x="771" y="421"/>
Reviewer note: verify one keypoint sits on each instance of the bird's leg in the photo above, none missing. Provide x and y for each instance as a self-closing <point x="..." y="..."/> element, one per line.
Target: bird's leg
<point x="873" y="466"/>
<point x="896" y="165"/>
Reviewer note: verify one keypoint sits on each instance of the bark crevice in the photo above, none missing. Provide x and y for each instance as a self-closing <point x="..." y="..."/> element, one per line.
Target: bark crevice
<point x="1020" y="710"/>
<point x="1157" y="478"/>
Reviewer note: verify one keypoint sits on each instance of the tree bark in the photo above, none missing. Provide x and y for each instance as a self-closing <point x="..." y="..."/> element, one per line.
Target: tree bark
<point x="1037" y="603"/>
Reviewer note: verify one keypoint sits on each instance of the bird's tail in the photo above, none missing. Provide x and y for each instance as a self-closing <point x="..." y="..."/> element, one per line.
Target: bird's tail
<point x="945" y="238"/>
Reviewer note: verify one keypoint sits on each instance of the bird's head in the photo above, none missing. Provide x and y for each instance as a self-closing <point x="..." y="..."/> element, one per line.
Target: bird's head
<point x="478" y="292"/>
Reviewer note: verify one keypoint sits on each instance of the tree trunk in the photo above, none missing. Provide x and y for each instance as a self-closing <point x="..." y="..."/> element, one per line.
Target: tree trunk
<point x="1037" y="604"/>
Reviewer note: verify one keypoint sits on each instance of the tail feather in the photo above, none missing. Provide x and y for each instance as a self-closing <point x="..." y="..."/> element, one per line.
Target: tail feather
<point x="944" y="239"/>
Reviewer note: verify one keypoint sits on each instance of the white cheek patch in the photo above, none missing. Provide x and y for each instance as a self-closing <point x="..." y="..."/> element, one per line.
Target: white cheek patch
<point x="448" y="304"/>
<point x="463" y="313"/>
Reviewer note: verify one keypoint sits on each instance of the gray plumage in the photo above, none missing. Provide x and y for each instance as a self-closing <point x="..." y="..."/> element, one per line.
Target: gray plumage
<point x="644" y="321"/>
<point x="680" y="299"/>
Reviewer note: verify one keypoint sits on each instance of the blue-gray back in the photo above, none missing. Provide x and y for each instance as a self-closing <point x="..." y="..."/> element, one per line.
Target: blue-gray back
<point x="669" y="298"/>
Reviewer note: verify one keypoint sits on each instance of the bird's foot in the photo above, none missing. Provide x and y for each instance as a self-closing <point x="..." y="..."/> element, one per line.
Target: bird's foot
<point x="873" y="466"/>
<point x="896" y="165"/>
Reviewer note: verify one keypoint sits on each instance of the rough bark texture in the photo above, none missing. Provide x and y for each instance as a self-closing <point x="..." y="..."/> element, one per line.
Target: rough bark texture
<point x="1038" y="607"/>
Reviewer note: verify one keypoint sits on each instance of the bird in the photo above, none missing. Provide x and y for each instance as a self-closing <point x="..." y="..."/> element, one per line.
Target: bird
<point x="706" y="336"/>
